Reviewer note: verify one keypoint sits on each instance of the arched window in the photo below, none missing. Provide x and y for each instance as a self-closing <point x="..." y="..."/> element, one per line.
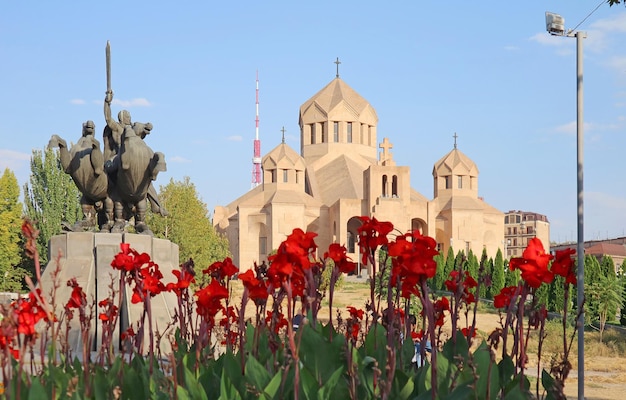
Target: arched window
<point x="351" y="243"/>
<point x="349" y="132"/>
<point x="394" y="186"/>
<point x="384" y="186"/>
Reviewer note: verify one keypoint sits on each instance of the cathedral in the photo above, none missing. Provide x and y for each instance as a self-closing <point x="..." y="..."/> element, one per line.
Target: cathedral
<point x="339" y="174"/>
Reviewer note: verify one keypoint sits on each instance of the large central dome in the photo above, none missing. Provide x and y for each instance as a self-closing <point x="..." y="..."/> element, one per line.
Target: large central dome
<point x="337" y="96"/>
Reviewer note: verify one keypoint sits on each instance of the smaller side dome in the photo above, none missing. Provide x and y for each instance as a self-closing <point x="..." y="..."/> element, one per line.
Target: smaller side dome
<point x="283" y="157"/>
<point x="455" y="163"/>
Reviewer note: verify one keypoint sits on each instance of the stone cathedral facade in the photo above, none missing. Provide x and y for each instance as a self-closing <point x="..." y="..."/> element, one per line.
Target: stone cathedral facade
<point x="339" y="174"/>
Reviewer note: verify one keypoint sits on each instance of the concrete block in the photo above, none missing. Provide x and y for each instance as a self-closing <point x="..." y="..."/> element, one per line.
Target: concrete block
<point x="80" y="244"/>
<point x="140" y="243"/>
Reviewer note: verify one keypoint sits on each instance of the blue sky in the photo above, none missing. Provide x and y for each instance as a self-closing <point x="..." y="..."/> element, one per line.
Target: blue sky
<point x="486" y="70"/>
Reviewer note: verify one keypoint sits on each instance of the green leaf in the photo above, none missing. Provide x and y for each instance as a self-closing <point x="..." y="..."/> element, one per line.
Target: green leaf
<point x="227" y="390"/>
<point x="181" y="393"/>
<point x="271" y="389"/>
<point x="403" y="386"/>
<point x="101" y="385"/>
<point x="506" y="369"/>
<point x="462" y="392"/>
<point x="451" y="350"/>
<point x="548" y="382"/>
<point x="329" y="387"/>
<point x="256" y="374"/>
<point x="37" y="391"/>
<point x="193" y="386"/>
<point x="132" y="385"/>
<point x="308" y="385"/>
<point x="487" y="370"/>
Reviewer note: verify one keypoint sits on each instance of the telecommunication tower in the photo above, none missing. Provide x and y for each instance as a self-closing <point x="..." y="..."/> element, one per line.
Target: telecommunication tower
<point x="256" y="160"/>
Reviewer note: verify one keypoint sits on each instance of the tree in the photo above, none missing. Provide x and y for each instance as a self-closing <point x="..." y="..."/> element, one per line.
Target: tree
<point x="622" y="314"/>
<point x="189" y="226"/>
<point x="497" y="277"/>
<point x="607" y="266"/>
<point x="51" y="199"/>
<point x="11" y="276"/>
<point x="607" y="294"/>
<point x="450" y="263"/>
<point x="439" y="278"/>
<point x="512" y="278"/>
<point x="614" y="2"/>
<point x="485" y="272"/>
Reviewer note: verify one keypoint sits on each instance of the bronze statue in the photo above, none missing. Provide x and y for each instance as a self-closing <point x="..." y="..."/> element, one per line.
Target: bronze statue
<point x="84" y="162"/>
<point x="116" y="183"/>
<point x="132" y="166"/>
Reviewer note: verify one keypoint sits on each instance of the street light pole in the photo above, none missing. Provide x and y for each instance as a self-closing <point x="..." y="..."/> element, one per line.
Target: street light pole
<point x="555" y="26"/>
<point x="580" y="246"/>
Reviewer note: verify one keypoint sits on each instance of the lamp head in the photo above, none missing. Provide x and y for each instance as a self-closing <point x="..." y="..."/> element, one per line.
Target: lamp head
<point x="555" y="24"/>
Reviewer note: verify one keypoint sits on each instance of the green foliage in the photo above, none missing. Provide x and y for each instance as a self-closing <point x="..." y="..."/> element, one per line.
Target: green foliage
<point x="486" y="271"/>
<point x="497" y="277"/>
<point x="437" y="283"/>
<point x="11" y="276"/>
<point x="556" y="296"/>
<point x="449" y="266"/>
<point x="606" y="294"/>
<point x="512" y="278"/>
<point x="607" y="266"/>
<point x="50" y="199"/>
<point x="622" y="318"/>
<point x="188" y="225"/>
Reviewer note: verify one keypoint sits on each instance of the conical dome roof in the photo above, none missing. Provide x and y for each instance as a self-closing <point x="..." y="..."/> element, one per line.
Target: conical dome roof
<point x="338" y="96"/>
<point x="283" y="157"/>
<point x="455" y="163"/>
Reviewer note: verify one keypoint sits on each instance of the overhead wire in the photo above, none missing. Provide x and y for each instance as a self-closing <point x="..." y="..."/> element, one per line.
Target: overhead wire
<point x="589" y="15"/>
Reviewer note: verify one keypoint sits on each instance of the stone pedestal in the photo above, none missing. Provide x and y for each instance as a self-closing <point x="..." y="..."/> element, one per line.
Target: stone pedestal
<point x="87" y="257"/>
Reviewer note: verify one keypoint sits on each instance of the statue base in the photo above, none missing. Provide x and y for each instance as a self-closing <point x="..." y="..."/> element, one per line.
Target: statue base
<point x="87" y="257"/>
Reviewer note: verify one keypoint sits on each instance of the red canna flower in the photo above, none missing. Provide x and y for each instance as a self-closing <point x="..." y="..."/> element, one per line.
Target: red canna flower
<point x="372" y="234"/>
<point x="209" y="300"/>
<point x="563" y="265"/>
<point x="414" y="255"/>
<point x="128" y="333"/>
<point x="77" y="298"/>
<point x="440" y="307"/>
<point x="221" y="269"/>
<point x="185" y="277"/>
<point x="337" y="253"/>
<point x="533" y="264"/>
<point x="504" y="298"/>
<point x="468" y="332"/>
<point x="31" y="234"/>
<point x="257" y="288"/>
<point x="129" y="260"/>
<point x="110" y="310"/>
<point x="460" y="283"/>
<point x="355" y="313"/>
<point x="275" y="321"/>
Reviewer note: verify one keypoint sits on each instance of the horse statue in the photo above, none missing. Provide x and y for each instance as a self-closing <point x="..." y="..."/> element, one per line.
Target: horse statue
<point x="84" y="162"/>
<point x="132" y="166"/>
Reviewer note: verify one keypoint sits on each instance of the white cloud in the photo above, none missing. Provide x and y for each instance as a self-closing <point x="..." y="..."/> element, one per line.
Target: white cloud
<point x="511" y="48"/>
<point x="618" y="63"/>
<point x="13" y="160"/>
<point x="139" y="102"/>
<point x="235" y="138"/>
<point x="570" y="128"/>
<point x="564" y="46"/>
<point x="615" y="23"/>
<point x="178" y="159"/>
<point x="77" y="101"/>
